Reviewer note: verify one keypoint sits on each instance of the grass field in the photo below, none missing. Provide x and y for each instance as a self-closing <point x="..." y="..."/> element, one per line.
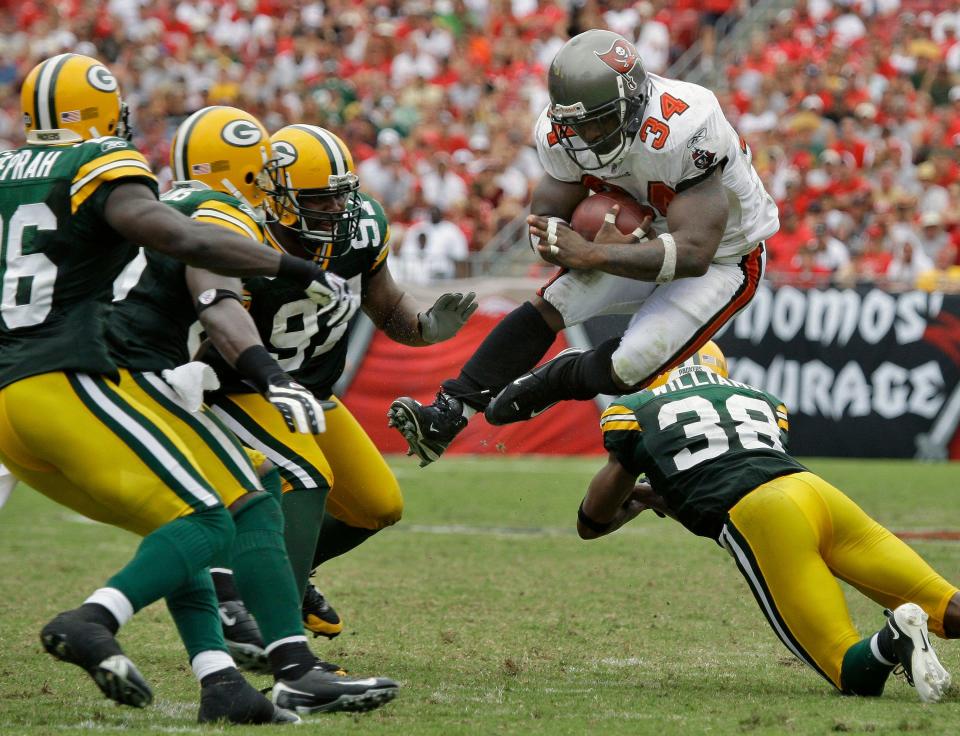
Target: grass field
<point x="496" y="618"/>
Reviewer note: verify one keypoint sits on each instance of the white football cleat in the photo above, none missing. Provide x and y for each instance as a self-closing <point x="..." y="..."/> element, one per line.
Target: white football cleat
<point x="911" y="640"/>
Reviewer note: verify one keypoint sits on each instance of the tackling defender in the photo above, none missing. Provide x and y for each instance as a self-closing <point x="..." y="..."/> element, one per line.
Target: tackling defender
<point x="714" y="452"/>
<point x="338" y="490"/>
<point x="666" y="143"/>
<point x="220" y="151"/>
<point x="73" y="200"/>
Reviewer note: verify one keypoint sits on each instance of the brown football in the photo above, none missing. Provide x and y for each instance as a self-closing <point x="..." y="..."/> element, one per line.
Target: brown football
<point x="588" y="217"/>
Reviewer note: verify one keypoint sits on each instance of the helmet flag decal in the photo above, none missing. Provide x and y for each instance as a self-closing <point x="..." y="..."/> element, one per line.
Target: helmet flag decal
<point x="621" y="56"/>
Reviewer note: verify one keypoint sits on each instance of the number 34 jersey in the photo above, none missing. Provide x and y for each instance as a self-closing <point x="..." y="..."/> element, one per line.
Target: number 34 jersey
<point x="60" y="256"/>
<point x="683" y="138"/>
<point x="703" y="441"/>
<point x="287" y="320"/>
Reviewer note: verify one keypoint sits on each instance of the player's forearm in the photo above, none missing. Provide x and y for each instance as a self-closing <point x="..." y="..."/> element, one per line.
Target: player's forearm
<point x="401" y="322"/>
<point x="644" y="261"/>
<point x="230" y="329"/>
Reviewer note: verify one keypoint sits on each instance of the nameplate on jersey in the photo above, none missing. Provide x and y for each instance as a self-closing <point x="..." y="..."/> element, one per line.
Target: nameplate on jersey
<point x="27" y="164"/>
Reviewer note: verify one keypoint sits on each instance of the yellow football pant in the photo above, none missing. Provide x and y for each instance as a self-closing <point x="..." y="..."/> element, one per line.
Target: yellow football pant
<point x="216" y="449"/>
<point x="794" y="536"/>
<point x="89" y="445"/>
<point x="363" y="491"/>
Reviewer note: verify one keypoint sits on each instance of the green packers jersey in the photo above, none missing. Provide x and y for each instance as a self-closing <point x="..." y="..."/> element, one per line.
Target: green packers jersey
<point x="288" y="322"/>
<point x="150" y="326"/>
<point x="59" y="255"/>
<point x="704" y="442"/>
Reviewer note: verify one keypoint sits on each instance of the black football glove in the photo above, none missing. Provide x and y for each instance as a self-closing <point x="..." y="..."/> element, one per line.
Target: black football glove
<point x="333" y="295"/>
<point x="298" y="406"/>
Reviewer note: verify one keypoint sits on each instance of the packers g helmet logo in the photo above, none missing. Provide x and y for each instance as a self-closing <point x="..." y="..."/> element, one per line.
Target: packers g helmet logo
<point x="100" y="78"/>
<point x="241" y="133"/>
<point x="285" y="153"/>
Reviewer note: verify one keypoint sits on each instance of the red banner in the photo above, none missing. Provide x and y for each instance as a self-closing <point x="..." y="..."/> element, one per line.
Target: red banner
<point x="390" y="370"/>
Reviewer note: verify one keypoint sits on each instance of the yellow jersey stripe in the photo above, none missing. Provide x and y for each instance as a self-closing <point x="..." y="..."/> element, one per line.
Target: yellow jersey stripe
<point x="621" y="426"/>
<point x="92" y="169"/>
<point x="118" y="170"/>
<point x="241" y="224"/>
<point x="381" y="257"/>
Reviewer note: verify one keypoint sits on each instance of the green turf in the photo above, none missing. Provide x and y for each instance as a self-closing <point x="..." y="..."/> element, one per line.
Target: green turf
<point x="496" y="618"/>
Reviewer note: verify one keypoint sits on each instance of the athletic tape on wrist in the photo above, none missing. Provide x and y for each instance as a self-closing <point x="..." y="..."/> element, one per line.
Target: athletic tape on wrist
<point x="669" y="267"/>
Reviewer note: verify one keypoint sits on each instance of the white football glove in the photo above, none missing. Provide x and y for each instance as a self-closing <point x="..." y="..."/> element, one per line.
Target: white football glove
<point x="448" y="314"/>
<point x="333" y="294"/>
<point x="298" y="406"/>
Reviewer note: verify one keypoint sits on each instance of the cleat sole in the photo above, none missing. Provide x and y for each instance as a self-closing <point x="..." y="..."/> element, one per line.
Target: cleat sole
<point x="361" y="703"/>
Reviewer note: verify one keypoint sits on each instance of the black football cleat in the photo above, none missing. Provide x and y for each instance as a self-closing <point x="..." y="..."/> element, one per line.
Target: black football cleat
<point x="428" y="429"/>
<point x="243" y="637"/>
<point x="319" y="691"/>
<point x="531" y="394"/>
<point x="911" y="642"/>
<point x="70" y="638"/>
<point x="226" y="697"/>
<point x="318" y="615"/>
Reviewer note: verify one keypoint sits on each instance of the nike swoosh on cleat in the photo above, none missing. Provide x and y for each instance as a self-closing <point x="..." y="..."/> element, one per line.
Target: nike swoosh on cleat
<point x="369" y="682"/>
<point x="432" y="428"/>
<point x="227" y="620"/>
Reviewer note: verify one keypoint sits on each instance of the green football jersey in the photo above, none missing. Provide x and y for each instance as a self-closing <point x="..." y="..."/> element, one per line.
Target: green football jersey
<point x="149" y="328"/>
<point x="704" y="442"/>
<point x="59" y="255"/>
<point x="288" y="322"/>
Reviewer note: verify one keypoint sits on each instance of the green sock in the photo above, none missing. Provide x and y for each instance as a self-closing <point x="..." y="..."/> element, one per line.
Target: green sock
<point x="337" y="538"/>
<point x="862" y="673"/>
<point x="262" y="570"/>
<point x="302" y="513"/>
<point x="273" y="483"/>
<point x="170" y="556"/>
<point x="194" y="610"/>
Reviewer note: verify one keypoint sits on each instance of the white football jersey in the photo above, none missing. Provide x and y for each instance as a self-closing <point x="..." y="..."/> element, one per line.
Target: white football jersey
<point x="683" y="136"/>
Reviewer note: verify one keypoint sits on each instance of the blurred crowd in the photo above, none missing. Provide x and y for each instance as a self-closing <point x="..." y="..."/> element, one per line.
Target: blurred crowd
<point x="436" y="98"/>
<point x="851" y="107"/>
<point x="853" y="114"/>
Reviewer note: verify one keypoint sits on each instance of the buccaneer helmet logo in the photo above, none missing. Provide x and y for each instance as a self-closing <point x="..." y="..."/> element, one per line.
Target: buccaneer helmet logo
<point x="621" y="56"/>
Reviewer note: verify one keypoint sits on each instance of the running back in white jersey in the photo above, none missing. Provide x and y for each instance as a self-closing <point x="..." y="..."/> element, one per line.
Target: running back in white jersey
<point x="682" y="139"/>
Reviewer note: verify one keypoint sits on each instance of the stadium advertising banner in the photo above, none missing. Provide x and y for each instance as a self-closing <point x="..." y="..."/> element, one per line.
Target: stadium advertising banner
<point x="864" y="372"/>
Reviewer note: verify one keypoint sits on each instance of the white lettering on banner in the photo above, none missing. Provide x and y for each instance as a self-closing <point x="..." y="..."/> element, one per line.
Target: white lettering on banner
<point x="877" y="315"/>
<point x="835" y="316"/>
<point x="789" y="313"/>
<point x="815" y="389"/>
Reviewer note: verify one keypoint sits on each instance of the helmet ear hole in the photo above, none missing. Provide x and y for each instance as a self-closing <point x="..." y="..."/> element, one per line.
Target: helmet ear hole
<point x="248" y="177"/>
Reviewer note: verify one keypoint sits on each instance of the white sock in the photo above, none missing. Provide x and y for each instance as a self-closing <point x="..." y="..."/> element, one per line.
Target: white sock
<point x="213" y="660"/>
<point x="286" y="640"/>
<point x="114" y="601"/>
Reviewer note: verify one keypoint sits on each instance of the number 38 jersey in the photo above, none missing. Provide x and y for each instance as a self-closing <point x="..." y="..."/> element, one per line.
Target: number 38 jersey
<point x="287" y="320"/>
<point x="60" y="256"/>
<point x="683" y="138"/>
<point x="704" y="442"/>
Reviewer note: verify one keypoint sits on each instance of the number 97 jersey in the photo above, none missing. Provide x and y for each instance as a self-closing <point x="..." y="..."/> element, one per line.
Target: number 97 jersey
<point x="703" y="441"/>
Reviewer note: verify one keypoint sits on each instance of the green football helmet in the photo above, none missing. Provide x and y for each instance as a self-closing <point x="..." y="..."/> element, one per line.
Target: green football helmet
<point x="598" y="92"/>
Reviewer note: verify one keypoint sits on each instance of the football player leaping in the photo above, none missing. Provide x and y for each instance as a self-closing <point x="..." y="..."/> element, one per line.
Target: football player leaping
<point x="316" y="210"/>
<point x="73" y="200"/>
<point x="218" y="153"/>
<point x="610" y="125"/>
<point x="714" y="451"/>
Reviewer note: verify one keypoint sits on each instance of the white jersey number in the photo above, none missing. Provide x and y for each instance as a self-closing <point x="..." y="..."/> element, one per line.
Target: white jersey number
<point x="28" y="279"/>
<point x="752" y="419"/>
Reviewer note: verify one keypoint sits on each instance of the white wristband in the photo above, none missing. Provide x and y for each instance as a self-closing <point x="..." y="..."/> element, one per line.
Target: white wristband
<point x="669" y="267"/>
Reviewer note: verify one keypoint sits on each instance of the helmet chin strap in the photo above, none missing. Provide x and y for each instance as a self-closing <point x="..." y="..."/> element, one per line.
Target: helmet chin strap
<point x="236" y="193"/>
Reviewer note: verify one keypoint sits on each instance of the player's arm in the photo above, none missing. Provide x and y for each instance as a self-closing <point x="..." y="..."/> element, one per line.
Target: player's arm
<point x="557" y="198"/>
<point x="696" y="220"/>
<point x="232" y="331"/>
<point x="610" y="502"/>
<point x="401" y="318"/>
<point x="134" y="212"/>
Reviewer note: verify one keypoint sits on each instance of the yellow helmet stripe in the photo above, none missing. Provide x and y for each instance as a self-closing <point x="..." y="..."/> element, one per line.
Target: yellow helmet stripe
<point x="44" y="92"/>
<point x="335" y="155"/>
<point x="181" y="163"/>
